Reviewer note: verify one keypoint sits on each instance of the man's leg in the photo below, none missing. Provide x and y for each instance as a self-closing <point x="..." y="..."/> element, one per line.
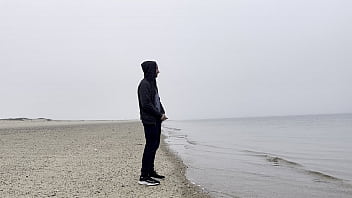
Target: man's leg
<point x="148" y="149"/>
<point x="153" y="173"/>
<point x="156" y="143"/>
<point x="148" y="155"/>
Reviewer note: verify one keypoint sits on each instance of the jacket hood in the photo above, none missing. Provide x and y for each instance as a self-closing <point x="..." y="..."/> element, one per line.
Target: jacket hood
<point x="149" y="69"/>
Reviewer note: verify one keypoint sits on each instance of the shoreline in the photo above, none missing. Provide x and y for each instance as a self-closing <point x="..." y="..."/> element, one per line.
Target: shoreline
<point x="84" y="159"/>
<point x="192" y="189"/>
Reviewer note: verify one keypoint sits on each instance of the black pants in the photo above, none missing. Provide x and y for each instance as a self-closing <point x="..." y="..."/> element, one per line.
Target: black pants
<point x="152" y="138"/>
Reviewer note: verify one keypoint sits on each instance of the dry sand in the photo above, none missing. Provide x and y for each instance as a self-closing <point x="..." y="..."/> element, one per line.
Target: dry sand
<point x="40" y="158"/>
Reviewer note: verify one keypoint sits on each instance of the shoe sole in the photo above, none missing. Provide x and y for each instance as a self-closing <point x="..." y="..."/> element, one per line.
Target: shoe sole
<point x="147" y="183"/>
<point x="157" y="177"/>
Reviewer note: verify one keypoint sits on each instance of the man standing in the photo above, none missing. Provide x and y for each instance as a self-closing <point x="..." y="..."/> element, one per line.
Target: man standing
<point x="152" y="114"/>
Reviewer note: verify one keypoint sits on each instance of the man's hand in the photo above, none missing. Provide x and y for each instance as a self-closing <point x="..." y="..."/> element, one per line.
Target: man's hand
<point x="163" y="117"/>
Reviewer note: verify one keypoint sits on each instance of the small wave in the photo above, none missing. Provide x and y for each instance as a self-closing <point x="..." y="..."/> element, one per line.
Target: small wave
<point x="278" y="161"/>
<point x="171" y="129"/>
<point x="322" y="176"/>
<point x="179" y="136"/>
<point x="191" y="142"/>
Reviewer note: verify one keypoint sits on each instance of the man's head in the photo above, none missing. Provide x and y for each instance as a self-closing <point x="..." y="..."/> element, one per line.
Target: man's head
<point x="150" y="69"/>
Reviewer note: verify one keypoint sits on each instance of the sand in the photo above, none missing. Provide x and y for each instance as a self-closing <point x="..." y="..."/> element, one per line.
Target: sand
<point x="40" y="158"/>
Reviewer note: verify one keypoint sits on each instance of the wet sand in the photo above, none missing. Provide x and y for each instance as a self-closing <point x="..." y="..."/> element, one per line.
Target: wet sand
<point x="41" y="158"/>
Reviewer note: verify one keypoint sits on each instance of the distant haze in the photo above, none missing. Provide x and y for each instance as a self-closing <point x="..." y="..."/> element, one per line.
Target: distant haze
<point x="65" y="59"/>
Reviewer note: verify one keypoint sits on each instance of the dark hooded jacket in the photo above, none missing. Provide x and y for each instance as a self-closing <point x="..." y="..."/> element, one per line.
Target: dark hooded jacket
<point x="147" y="90"/>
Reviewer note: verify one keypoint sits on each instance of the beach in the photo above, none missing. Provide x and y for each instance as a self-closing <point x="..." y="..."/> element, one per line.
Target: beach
<point x="44" y="158"/>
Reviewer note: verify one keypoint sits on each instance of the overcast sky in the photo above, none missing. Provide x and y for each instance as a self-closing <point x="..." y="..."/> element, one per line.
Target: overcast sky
<point x="65" y="59"/>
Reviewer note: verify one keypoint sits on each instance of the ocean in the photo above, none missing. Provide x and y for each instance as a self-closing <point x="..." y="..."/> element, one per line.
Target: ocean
<point x="288" y="156"/>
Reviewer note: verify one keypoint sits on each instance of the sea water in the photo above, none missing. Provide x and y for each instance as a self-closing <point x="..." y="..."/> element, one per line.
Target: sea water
<point x="290" y="156"/>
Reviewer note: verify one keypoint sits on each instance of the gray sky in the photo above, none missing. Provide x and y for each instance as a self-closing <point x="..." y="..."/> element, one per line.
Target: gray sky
<point x="65" y="59"/>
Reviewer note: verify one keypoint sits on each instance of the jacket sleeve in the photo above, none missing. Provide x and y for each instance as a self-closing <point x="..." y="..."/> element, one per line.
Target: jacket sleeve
<point x="162" y="108"/>
<point x="146" y="104"/>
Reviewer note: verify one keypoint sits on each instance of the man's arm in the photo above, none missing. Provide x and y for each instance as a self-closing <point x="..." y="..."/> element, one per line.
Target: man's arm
<point x="146" y="103"/>
<point x="163" y="117"/>
<point x="162" y="108"/>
